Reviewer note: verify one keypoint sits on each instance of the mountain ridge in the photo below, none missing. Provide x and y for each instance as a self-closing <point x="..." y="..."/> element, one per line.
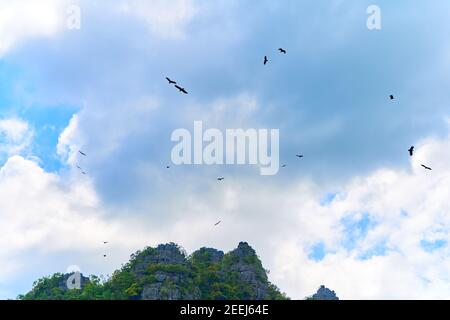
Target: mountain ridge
<point x="166" y="272"/>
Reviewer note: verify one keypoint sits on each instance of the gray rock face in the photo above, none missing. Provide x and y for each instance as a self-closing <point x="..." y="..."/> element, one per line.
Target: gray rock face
<point x="208" y="255"/>
<point x="170" y="271"/>
<point x="163" y="254"/>
<point x="247" y="265"/>
<point x="157" y="291"/>
<point x="244" y="250"/>
<point x="324" y="294"/>
<point x="166" y="253"/>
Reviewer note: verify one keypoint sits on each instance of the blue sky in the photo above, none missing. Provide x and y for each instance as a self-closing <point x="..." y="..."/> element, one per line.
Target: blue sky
<point x="102" y="89"/>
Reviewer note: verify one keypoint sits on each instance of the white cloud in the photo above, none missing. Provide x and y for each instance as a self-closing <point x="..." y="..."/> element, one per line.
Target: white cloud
<point x="69" y="141"/>
<point x="236" y="110"/>
<point x="407" y="207"/>
<point x="25" y="19"/>
<point x="15" y="136"/>
<point x="83" y="130"/>
<point x="165" y="18"/>
<point x="46" y="216"/>
<point x="22" y="20"/>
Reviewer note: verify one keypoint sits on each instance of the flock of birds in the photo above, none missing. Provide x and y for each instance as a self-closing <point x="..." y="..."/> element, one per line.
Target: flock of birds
<point x="83" y="172"/>
<point x="182" y="90"/>
<point x="411" y="153"/>
<point x="78" y="167"/>
<point x="299" y="156"/>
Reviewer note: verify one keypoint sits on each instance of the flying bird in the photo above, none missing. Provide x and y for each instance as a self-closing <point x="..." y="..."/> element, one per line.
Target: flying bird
<point x="82" y="172"/>
<point x="282" y="50"/>
<point x="221" y="178"/>
<point x="181" y="89"/>
<point x="217" y="223"/>
<point x="411" y="151"/>
<point x="391" y="97"/>
<point x="168" y="167"/>
<point x="171" y="81"/>
<point x="105" y="242"/>
<point x="299" y="155"/>
<point x="265" y="60"/>
<point x="79" y="167"/>
<point x="427" y="168"/>
<point x="104" y="256"/>
<point x="82" y="153"/>
<point x="284" y="166"/>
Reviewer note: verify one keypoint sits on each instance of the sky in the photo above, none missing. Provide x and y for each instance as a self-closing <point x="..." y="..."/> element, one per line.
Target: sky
<point x="356" y="214"/>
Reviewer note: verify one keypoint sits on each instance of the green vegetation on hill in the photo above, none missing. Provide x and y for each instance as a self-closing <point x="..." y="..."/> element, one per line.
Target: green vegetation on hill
<point x="166" y="273"/>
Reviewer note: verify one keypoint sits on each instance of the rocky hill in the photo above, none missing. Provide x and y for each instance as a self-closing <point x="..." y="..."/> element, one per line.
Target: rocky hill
<point x="167" y="273"/>
<point x="323" y="293"/>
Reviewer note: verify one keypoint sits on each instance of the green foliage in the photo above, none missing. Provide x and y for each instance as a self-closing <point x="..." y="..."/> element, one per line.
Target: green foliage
<point x="169" y="268"/>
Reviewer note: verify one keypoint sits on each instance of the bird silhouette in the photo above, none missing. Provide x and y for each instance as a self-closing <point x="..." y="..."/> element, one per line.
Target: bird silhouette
<point x="265" y="60"/>
<point x="82" y="172"/>
<point x="171" y="81"/>
<point x="284" y="166"/>
<point x="181" y="89"/>
<point x="221" y="178"/>
<point x="282" y="50"/>
<point x="104" y="256"/>
<point x="79" y="167"/>
<point x="82" y="153"/>
<point x="105" y="242"/>
<point x="391" y="97"/>
<point x="167" y="167"/>
<point x="217" y="223"/>
<point x="411" y="151"/>
<point x="299" y="155"/>
<point x="427" y="168"/>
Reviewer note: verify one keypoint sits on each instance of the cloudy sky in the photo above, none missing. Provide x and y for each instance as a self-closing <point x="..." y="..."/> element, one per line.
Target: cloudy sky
<point x="357" y="214"/>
